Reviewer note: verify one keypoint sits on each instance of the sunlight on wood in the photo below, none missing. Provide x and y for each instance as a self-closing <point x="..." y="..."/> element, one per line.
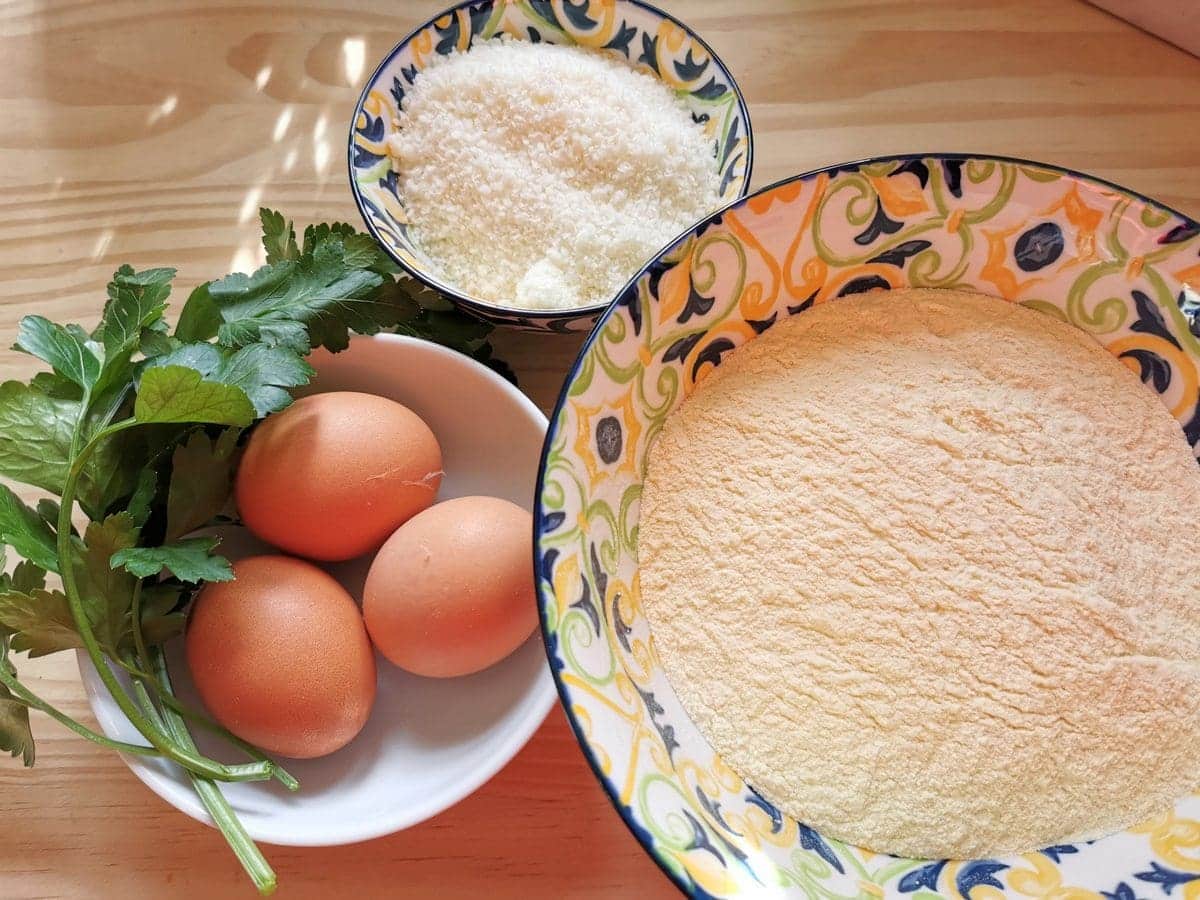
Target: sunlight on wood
<point x="281" y="124"/>
<point x="248" y="257"/>
<point x="163" y="109"/>
<point x="102" y="241"/>
<point x="354" y="50"/>
<point x="250" y="204"/>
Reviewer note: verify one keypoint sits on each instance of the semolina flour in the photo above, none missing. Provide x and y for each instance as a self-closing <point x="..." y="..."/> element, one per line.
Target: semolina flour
<point x="921" y="567"/>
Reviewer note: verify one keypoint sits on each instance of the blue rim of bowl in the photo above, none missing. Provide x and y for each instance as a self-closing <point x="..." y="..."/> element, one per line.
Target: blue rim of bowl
<point x="488" y="309"/>
<point x="640" y="834"/>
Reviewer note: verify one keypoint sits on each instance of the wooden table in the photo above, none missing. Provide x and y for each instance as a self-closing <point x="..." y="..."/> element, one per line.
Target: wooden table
<point x="150" y="133"/>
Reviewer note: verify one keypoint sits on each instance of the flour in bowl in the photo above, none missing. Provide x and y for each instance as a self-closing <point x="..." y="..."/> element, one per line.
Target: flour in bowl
<point x="542" y="176"/>
<point x="921" y="567"/>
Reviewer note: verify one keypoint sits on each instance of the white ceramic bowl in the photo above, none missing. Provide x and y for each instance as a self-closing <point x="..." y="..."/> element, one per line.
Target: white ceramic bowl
<point x="429" y="743"/>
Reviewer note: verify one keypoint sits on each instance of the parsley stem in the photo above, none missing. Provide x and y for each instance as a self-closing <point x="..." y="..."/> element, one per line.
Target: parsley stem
<point x="33" y="701"/>
<point x="188" y="758"/>
<point x="135" y="625"/>
<point x="168" y="698"/>
<point x="138" y="672"/>
<point x="143" y="698"/>
<point x="210" y="795"/>
<point x="214" y="801"/>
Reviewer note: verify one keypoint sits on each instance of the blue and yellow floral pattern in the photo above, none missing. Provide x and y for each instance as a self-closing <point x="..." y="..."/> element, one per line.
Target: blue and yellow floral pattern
<point x="1122" y="268"/>
<point x="645" y="37"/>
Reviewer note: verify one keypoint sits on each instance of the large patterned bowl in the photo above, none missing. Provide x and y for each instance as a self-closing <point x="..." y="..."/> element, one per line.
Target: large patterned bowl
<point x="1119" y="266"/>
<point x="636" y="32"/>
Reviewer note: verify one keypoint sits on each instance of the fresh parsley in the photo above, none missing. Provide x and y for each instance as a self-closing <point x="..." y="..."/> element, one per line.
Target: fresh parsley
<point x="139" y="426"/>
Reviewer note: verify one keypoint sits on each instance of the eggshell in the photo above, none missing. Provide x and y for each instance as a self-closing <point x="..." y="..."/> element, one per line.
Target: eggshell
<point x="281" y="658"/>
<point x="451" y="592"/>
<point x="334" y="474"/>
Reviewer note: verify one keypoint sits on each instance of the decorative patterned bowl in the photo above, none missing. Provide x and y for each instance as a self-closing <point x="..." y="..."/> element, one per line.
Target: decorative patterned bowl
<point x="645" y="37"/>
<point x="1123" y="268"/>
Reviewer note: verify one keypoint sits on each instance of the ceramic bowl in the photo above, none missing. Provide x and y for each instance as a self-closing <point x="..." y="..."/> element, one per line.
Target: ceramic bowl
<point x="635" y="32"/>
<point x="1119" y="266"/>
<point x="429" y="742"/>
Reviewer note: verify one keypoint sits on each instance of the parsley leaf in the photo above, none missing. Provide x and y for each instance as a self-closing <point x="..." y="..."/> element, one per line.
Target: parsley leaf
<point x="318" y="291"/>
<point x="15" y="734"/>
<point x="269" y="332"/>
<point x="35" y="434"/>
<point x="40" y="620"/>
<point x="135" y="301"/>
<point x="67" y="349"/>
<point x="36" y="421"/>
<point x="26" y="532"/>
<point x="279" y="237"/>
<point x="179" y="394"/>
<point x="163" y="616"/>
<point x="201" y="481"/>
<point x="156" y="340"/>
<point x="27" y="576"/>
<point x="360" y="249"/>
<point x="309" y="296"/>
<point x="107" y="595"/>
<point x="264" y="373"/>
<point x="139" y="505"/>
<point x="261" y="371"/>
<point x="200" y="318"/>
<point x="188" y="560"/>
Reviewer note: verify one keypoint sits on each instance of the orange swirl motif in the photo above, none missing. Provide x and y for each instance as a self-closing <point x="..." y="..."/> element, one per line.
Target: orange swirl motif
<point x="900" y="195"/>
<point x="814" y="270"/>
<point x="1169" y="836"/>
<point x="1181" y="365"/>
<point x="1086" y="221"/>
<point x="1044" y="881"/>
<point x="995" y="267"/>
<point x="604" y="11"/>
<point x="422" y="44"/>
<point x="673" y="289"/>
<point x="762" y="298"/>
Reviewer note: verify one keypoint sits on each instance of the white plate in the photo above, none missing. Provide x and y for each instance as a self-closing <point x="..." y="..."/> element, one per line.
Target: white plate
<point x="429" y="742"/>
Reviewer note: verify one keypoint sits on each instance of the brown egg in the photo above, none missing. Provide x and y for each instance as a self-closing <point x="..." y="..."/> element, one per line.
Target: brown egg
<point x="280" y="657"/>
<point x="451" y="592"/>
<point x="334" y="474"/>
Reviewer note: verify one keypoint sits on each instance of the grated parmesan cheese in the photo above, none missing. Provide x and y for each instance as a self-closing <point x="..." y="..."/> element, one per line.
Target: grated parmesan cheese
<point x="543" y="176"/>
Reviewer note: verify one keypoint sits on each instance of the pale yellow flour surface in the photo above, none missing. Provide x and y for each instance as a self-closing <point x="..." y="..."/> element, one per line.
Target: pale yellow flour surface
<point x="923" y="568"/>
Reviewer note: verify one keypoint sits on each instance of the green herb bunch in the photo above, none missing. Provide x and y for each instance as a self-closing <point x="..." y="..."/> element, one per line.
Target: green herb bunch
<point x="139" y="427"/>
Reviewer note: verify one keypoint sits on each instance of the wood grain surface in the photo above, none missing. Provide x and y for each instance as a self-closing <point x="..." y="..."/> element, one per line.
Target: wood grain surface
<point x="150" y="133"/>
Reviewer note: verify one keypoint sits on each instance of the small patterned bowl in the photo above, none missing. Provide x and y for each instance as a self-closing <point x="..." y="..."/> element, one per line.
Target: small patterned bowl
<point x="1121" y="267"/>
<point x="645" y="37"/>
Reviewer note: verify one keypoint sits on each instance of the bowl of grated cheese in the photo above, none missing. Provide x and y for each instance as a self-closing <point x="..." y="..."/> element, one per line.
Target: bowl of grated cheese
<point x="525" y="160"/>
